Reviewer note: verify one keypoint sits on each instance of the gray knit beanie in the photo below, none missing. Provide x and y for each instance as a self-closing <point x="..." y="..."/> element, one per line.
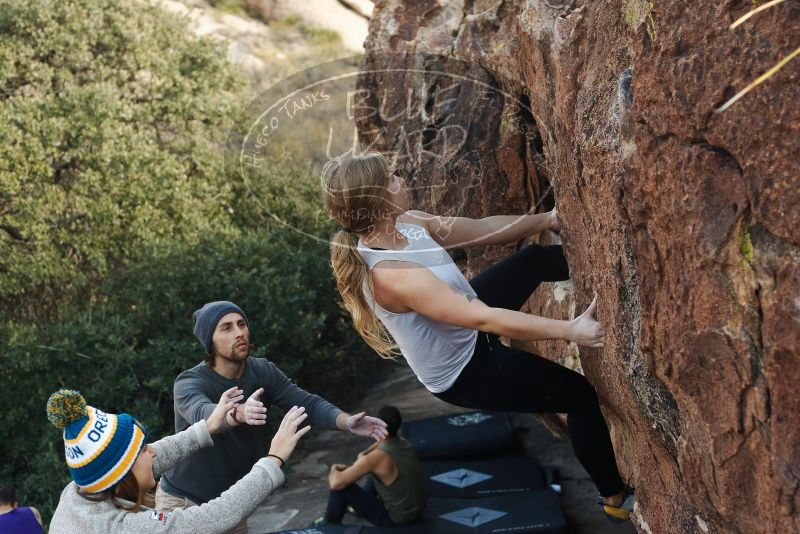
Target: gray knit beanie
<point x="207" y="318"/>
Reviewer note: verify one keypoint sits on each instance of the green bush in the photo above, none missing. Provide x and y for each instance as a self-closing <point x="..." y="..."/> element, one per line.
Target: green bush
<point x="112" y="114"/>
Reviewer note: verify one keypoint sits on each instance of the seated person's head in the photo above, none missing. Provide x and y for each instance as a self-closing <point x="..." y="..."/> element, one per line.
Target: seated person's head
<point x="391" y="416"/>
<point x="8" y="496"/>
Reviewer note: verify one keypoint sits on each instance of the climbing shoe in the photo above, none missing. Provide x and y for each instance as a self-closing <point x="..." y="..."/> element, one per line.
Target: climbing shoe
<point x="621" y="513"/>
<point x="319" y="522"/>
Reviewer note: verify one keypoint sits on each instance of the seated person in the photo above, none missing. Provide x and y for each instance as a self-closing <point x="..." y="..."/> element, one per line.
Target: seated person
<point x="395" y="492"/>
<point x="17" y="520"/>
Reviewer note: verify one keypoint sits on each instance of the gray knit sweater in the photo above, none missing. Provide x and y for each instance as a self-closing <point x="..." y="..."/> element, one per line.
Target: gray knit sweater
<point x="76" y="514"/>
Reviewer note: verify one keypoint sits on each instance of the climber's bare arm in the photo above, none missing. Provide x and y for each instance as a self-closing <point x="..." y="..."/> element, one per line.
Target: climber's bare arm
<point x="494" y="230"/>
<point x="401" y="287"/>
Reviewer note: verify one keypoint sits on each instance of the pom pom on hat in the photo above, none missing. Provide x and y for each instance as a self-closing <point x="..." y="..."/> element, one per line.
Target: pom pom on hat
<point x="66" y="406"/>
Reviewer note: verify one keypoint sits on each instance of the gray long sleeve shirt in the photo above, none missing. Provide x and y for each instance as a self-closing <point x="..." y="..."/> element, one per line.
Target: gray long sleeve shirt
<point x="77" y="514"/>
<point x="207" y="473"/>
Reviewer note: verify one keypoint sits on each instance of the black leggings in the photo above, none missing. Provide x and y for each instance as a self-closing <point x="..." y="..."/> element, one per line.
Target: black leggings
<point x="365" y="503"/>
<point x="505" y="379"/>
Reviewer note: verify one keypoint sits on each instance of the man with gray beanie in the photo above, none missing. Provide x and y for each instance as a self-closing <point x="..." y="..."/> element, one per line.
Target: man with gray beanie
<point x="222" y="329"/>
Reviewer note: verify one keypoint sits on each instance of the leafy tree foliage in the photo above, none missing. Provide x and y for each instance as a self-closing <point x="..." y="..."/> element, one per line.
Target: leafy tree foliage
<point x="112" y="112"/>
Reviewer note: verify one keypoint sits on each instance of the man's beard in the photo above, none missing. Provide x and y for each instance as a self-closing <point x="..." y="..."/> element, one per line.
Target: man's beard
<point x="234" y="355"/>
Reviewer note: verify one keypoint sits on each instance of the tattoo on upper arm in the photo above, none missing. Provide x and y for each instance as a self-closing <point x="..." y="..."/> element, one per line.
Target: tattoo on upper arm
<point x="468" y="296"/>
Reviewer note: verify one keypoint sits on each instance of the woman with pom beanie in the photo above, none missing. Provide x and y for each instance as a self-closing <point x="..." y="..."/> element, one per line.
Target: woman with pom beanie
<point x="112" y="465"/>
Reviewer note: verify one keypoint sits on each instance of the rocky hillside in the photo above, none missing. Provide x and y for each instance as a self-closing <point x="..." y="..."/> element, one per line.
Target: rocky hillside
<point x="684" y="221"/>
<point x="273" y="39"/>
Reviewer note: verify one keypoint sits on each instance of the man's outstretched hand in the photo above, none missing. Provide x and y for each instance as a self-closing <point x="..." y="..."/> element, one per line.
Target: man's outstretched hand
<point x="363" y="425"/>
<point x="253" y="412"/>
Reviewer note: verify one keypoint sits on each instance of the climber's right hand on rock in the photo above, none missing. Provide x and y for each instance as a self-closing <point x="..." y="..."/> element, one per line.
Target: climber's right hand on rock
<point x="287" y="436"/>
<point x="585" y="330"/>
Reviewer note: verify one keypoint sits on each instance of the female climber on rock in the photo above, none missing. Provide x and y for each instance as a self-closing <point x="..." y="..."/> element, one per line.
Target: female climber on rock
<point x="112" y="465"/>
<point x="405" y="293"/>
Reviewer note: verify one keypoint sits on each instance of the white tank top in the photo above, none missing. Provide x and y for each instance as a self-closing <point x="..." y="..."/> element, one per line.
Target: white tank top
<point x="435" y="351"/>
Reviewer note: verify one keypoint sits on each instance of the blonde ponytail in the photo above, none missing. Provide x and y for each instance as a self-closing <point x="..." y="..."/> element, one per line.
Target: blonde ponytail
<point x="354" y="191"/>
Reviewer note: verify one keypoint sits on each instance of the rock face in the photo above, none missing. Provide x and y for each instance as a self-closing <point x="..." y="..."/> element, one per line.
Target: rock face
<point x="685" y="222"/>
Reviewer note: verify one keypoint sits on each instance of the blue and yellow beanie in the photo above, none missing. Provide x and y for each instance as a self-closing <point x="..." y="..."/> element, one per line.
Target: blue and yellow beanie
<point x="100" y="447"/>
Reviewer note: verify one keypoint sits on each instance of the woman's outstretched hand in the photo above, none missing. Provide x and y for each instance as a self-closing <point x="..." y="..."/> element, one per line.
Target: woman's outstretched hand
<point x="586" y="330"/>
<point x="287" y="436"/>
<point x="226" y="403"/>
